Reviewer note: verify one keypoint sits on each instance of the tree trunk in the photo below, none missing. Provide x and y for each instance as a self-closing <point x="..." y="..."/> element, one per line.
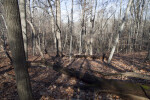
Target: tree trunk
<point x="4" y="41"/>
<point x="38" y="47"/>
<point x="53" y="31"/>
<point x="71" y="33"/>
<point x="4" y="46"/>
<point x="120" y="31"/>
<point x="80" y="46"/>
<point x="92" y="20"/>
<point x="17" y="49"/>
<point x="58" y="21"/>
<point x="43" y="40"/>
<point x="148" y="55"/>
<point x="91" y="46"/>
<point x="22" y="7"/>
<point x="33" y="33"/>
<point x="82" y="26"/>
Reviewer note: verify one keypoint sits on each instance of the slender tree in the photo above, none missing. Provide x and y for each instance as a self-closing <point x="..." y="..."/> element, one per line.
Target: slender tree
<point x="71" y="33"/>
<point x="148" y="55"/>
<point x="58" y="32"/>
<point x="17" y="49"/>
<point x="22" y="7"/>
<point x="120" y="31"/>
<point x="57" y="22"/>
<point x="4" y="41"/>
<point x="36" y="43"/>
<point x="82" y="26"/>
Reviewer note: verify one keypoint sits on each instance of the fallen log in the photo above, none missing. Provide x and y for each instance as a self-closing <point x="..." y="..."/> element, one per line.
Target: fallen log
<point x="129" y="74"/>
<point x="86" y="56"/>
<point x="124" y="89"/>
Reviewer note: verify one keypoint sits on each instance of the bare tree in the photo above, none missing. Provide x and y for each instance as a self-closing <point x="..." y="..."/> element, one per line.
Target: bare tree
<point x="3" y="40"/>
<point x="71" y="33"/>
<point x="17" y="49"/>
<point x="22" y="7"/>
<point x="120" y="31"/>
<point x="36" y="43"/>
<point x="148" y="55"/>
<point x="58" y="22"/>
<point x="83" y="4"/>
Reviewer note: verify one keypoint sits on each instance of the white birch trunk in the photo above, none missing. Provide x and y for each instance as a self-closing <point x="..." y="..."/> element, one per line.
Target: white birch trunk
<point x="120" y="31"/>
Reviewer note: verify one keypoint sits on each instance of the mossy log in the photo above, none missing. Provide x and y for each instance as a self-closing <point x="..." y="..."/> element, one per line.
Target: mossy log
<point x="124" y="89"/>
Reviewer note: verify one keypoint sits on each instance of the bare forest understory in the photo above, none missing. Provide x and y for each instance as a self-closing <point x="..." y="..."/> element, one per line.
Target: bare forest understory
<point x="74" y="49"/>
<point x="70" y="80"/>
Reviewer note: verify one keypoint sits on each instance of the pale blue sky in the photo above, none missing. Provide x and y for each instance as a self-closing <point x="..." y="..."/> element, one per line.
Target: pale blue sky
<point x="111" y="7"/>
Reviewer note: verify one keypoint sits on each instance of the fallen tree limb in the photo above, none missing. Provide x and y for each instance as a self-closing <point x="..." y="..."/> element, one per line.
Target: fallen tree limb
<point x="121" y="87"/>
<point x="130" y="74"/>
<point x="37" y="64"/>
<point x="85" y="56"/>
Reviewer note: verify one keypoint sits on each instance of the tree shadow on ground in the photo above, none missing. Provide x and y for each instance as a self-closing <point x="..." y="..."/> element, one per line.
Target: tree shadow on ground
<point x="88" y="65"/>
<point x="6" y="70"/>
<point x="135" y="62"/>
<point x="3" y="67"/>
<point x="109" y="66"/>
<point x="42" y="84"/>
<point x="81" y="65"/>
<point x="71" y="63"/>
<point x="36" y="71"/>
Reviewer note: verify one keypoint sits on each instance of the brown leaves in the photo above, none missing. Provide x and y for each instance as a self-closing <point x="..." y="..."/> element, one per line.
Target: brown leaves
<point x="70" y="91"/>
<point x="48" y="84"/>
<point x="72" y="81"/>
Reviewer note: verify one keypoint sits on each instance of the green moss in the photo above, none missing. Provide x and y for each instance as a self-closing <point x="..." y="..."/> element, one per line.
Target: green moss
<point x="145" y="87"/>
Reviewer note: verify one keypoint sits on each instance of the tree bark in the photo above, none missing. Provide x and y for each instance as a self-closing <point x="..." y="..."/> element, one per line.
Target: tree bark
<point x="120" y="31"/>
<point x="82" y="26"/>
<point x="148" y="55"/>
<point x="57" y="22"/>
<point x="71" y="33"/>
<point x="5" y="50"/>
<point x="22" y="7"/>
<point x="58" y="32"/>
<point x="17" y="49"/>
<point x="4" y="41"/>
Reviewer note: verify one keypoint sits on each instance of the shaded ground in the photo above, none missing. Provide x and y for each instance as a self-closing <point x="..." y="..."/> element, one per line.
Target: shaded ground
<point x="48" y="84"/>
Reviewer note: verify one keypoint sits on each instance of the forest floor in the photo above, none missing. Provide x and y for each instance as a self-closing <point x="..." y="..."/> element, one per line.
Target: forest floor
<point x="48" y="84"/>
